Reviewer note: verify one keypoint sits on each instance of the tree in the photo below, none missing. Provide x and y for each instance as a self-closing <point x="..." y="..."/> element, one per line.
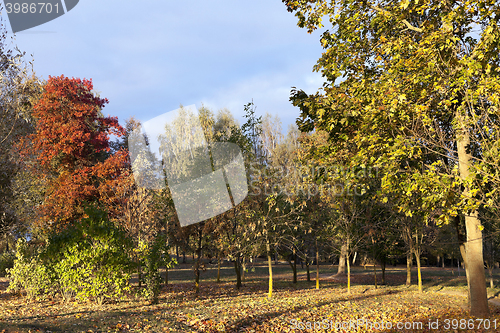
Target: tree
<point x="19" y="91"/>
<point x="71" y="145"/>
<point x="411" y="68"/>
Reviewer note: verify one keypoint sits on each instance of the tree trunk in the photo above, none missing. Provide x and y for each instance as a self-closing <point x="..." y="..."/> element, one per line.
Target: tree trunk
<point x="490" y="273"/>
<point x="308" y="272"/>
<point x="348" y="275"/>
<point x="270" y="266"/>
<point x="375" y="273"/>
<point x="474" y="267"/>
<point x="419" y="272"/>
<point x="474" y="247"/>
<point x="198" y="263"/>
<point x="317" y="265"/>
<point x="139" y="274"/>
<point x="218" y="269"/>
<point x="293" y="264"/>
<point x="382" y="266"/>
<point x="408" y="268"/>
<point x="243" y="269"/>
<point x="237" y="268"/>
<point x="343" y="254"/>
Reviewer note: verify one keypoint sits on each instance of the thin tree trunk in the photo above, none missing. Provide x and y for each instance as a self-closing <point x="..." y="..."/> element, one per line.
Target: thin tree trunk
<point x="293" y="264"/>
<point x="419" y="273"/>
<point x="408" y="268"/>
<point x="375" y="273"/>
<point x="317" y="265"/>
<point x="218" y="269"/>
<point x="139" y="274"/>
<point x="382" y="266"/>
<point x="490" y="272"/>
<point x="270" y="265"/>
<point x="348" y="275"/>
<point x="243" y="269"/>
<point x="198" y="263"/>
<point x="308" y="272"/>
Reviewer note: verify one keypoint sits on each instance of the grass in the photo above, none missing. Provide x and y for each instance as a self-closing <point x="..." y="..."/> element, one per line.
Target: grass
<point x="221" y="308"/>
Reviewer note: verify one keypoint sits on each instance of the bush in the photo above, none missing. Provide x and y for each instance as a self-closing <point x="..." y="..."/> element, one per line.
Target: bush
<point x="28" y="274"/>
<point x="90" y="259"/>
<point x="153" y="255"/>
<point x="6" y="261"/>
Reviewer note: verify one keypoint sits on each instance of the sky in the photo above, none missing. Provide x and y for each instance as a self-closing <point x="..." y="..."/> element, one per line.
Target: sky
<point x="148" y="57"/>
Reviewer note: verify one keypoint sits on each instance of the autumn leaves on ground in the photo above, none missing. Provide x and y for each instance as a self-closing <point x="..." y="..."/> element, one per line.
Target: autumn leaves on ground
<point x="395" y="160"/>
<point x="219" y="307"/>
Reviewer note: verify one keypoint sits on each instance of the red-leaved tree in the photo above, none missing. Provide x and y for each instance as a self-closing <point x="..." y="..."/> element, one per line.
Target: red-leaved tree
<point x="71" y="152"/>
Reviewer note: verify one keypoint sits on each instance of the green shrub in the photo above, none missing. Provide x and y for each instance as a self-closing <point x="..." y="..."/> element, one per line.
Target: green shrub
<point x="28" y="274"/>
<point x="153" y="255"/>
<point x="90" y="259"/>
<point x="6" y="261"/>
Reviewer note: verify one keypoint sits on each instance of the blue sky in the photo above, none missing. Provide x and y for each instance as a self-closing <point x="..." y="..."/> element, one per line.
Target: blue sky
<point x="148" y="57"/>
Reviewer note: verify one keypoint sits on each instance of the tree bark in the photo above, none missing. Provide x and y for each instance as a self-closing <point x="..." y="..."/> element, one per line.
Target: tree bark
<point x="317" y="265"/>
<point x="476" y="278"/>
<point x="343" y="254"/>
<point x="490" y="273"/>
<point x="419" y="272"/>
<point x="166" y="275"/>
<point x="139" y="273"/>
<point x="293" y="264"/>
<point x="308" y="272"/>
<point x="270" y="266"/>
<point x="348" y="275"/>
<point x="198" y="263"/>
<point x="382" y="266"/>
<point x="237" y="268"/>
<point x="218" y="269"/>
<point x="243" y="269"/>
<point x="408" y="268"/>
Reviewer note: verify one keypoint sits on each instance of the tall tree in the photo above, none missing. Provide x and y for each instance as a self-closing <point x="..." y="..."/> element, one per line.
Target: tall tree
<point x="71" y="145"/>
<point x="412" y="71"/>
<point x="19" y="91"/>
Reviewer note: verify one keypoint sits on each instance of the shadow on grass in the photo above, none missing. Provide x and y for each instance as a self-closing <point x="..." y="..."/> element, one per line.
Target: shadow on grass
<point x="242" y="323"/>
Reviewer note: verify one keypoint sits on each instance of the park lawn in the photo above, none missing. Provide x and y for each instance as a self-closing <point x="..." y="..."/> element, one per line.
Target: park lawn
<point x="294" y="307"/>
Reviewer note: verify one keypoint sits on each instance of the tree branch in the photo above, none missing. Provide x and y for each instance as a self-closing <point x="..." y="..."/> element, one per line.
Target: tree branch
<point x="408" y="25"/>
